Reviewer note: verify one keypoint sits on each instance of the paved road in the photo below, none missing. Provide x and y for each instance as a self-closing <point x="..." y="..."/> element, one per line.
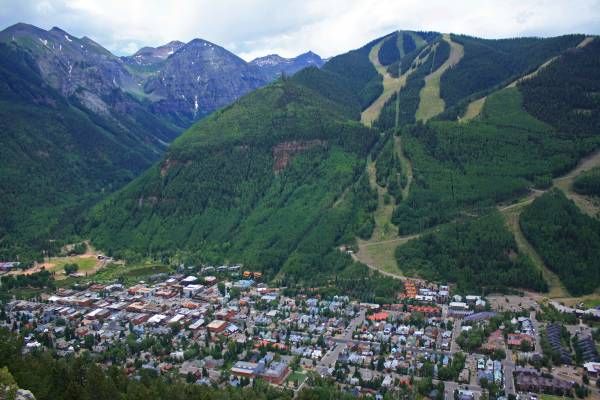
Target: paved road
<point x="536" y="326"/>
<point x="509" y="366"/>
<point x="332" y="355"/>
<point x="454" y="347"/>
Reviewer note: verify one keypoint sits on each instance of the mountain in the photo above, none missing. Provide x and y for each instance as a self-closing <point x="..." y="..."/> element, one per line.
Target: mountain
<point x="274" y="65"/>
<point x="275" y="182"/>
<point x="89" y="75"/>
<point x="69" y="134"/>
<point x="197" y="79"/>
<point x="147" y="56"/>
<point x="81" y="122"/>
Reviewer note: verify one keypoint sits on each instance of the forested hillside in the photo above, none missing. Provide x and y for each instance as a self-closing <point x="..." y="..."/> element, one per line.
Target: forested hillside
<point x="513" y="145"/>
<point x="58" y="157"/>
<point x="488" y="63"/>
<point x="567" y="240"/>
<point x="277" y="180"/>
<point x="356" y="73"/>
<point x="271" y="181"/>
<point x="478" y="254"/>
<point x="425" y="62"/>
<point x="475" y="165"/>
<point x="588" y="183"/>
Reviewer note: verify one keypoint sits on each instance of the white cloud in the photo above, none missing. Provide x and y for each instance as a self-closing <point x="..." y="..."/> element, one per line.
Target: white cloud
<point x="259" y="27"/>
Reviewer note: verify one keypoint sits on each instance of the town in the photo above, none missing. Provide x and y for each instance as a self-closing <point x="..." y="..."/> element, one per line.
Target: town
<point x="224" y="326"/>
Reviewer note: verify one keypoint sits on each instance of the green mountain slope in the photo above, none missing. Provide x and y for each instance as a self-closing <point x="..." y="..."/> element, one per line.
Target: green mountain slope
<point x="488" y="64"/>
<point x="59" y="157"/>
<point x="515" y="144"/>
<point x="477" y="255"/>
<point x="567" y="240"/>
<point x="277" y="180"/>
<point x="263" y="182"/>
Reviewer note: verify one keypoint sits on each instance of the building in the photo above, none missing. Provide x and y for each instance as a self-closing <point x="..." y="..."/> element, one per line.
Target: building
<point x="458" y="309"/>
<point x="380" y="316"/>
<point x="8" y="266"/>
<point x="517" y="339"/>
<point x="246" y="369"/>
<point x="192" y="290"/>
<point x="530" y="380"/>
<point x="592" y="369"/>
<point x="276" y="372"/>
<point x="217" y="326"/>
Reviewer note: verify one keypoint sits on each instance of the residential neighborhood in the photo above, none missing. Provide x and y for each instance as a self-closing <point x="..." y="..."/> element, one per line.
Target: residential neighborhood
<point x="223" y="326"/>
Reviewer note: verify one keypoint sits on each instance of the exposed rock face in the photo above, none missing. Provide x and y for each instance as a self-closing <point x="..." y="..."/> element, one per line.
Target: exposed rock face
<point x="200" y="78"/>
<point x="178" y="82"/>
<point x="284" y="151"/>
<point x="85" y="73"/>
<point x="274" y="65"/>
<point x="152" y="55"/>
<point x="68" y="63"/>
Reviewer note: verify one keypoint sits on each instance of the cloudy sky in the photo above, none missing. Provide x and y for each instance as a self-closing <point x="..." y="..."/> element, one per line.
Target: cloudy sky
<point x="252" y="28"/>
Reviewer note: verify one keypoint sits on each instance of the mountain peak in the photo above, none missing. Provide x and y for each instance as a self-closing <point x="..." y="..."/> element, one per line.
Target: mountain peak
<point x="197" y="42"/>
<point x="274" y="64"/>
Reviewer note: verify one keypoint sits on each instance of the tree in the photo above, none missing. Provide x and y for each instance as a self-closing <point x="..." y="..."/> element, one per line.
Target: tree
<point x="71" y="268"/>
<point x="221" y="287"/>
<point x="7" y="385"/>
<point x="525" y="346"/>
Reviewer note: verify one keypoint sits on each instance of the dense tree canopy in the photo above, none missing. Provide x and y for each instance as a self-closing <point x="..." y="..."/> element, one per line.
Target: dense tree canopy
<point x="588" y="183"/>
<point x="479" y="254"/>
<point x="566" y="239"/>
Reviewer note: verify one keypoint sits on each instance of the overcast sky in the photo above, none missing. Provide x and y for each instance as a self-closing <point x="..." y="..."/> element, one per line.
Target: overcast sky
<point x="253" y="28"/>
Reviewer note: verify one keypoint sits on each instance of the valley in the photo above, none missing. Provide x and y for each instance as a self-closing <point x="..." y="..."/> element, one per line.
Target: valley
<point x="416" y="218"/>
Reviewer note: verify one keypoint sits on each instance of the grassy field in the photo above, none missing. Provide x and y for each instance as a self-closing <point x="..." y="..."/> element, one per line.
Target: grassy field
<point x="592" y="302"/>
<point x="85" y="263"/>
<point x="551" y="397"/>
<point x="131" y="273"/>
<point x="431" y="104"/>
<point x="390" y="86"/>
<point x="296" y="376"/>
<point x="473" y="109"/>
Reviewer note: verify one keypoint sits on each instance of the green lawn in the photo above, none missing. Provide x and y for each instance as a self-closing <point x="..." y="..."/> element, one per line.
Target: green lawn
<point x="552" y="397"/>
<point x="592" y="303"/>
<point x="131" y="273"/>
<point x="85" y="263"/>
<point x="296" y="376"/>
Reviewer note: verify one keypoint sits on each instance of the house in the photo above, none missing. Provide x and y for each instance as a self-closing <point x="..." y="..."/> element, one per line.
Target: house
<point x="157" y="319"/>
<point x="494" y="342"/>
<point x="592" y="369"/>
<point x="458" y="309"/>
<point x="197" y="324"/>
<point x="380" y="316"/>
<point x="210" y="280"/>
<point x="7" y="266"/>
<point x="99" y="313"/>
<point x="189" y="280"/>
<point x="192" y="289"/>
<point x="429" y="311"/>
<point x="217" y="326"/>
<point x="517" y="339"/>
<point x="466" y="395"/>
<point x="192" y="367"/>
